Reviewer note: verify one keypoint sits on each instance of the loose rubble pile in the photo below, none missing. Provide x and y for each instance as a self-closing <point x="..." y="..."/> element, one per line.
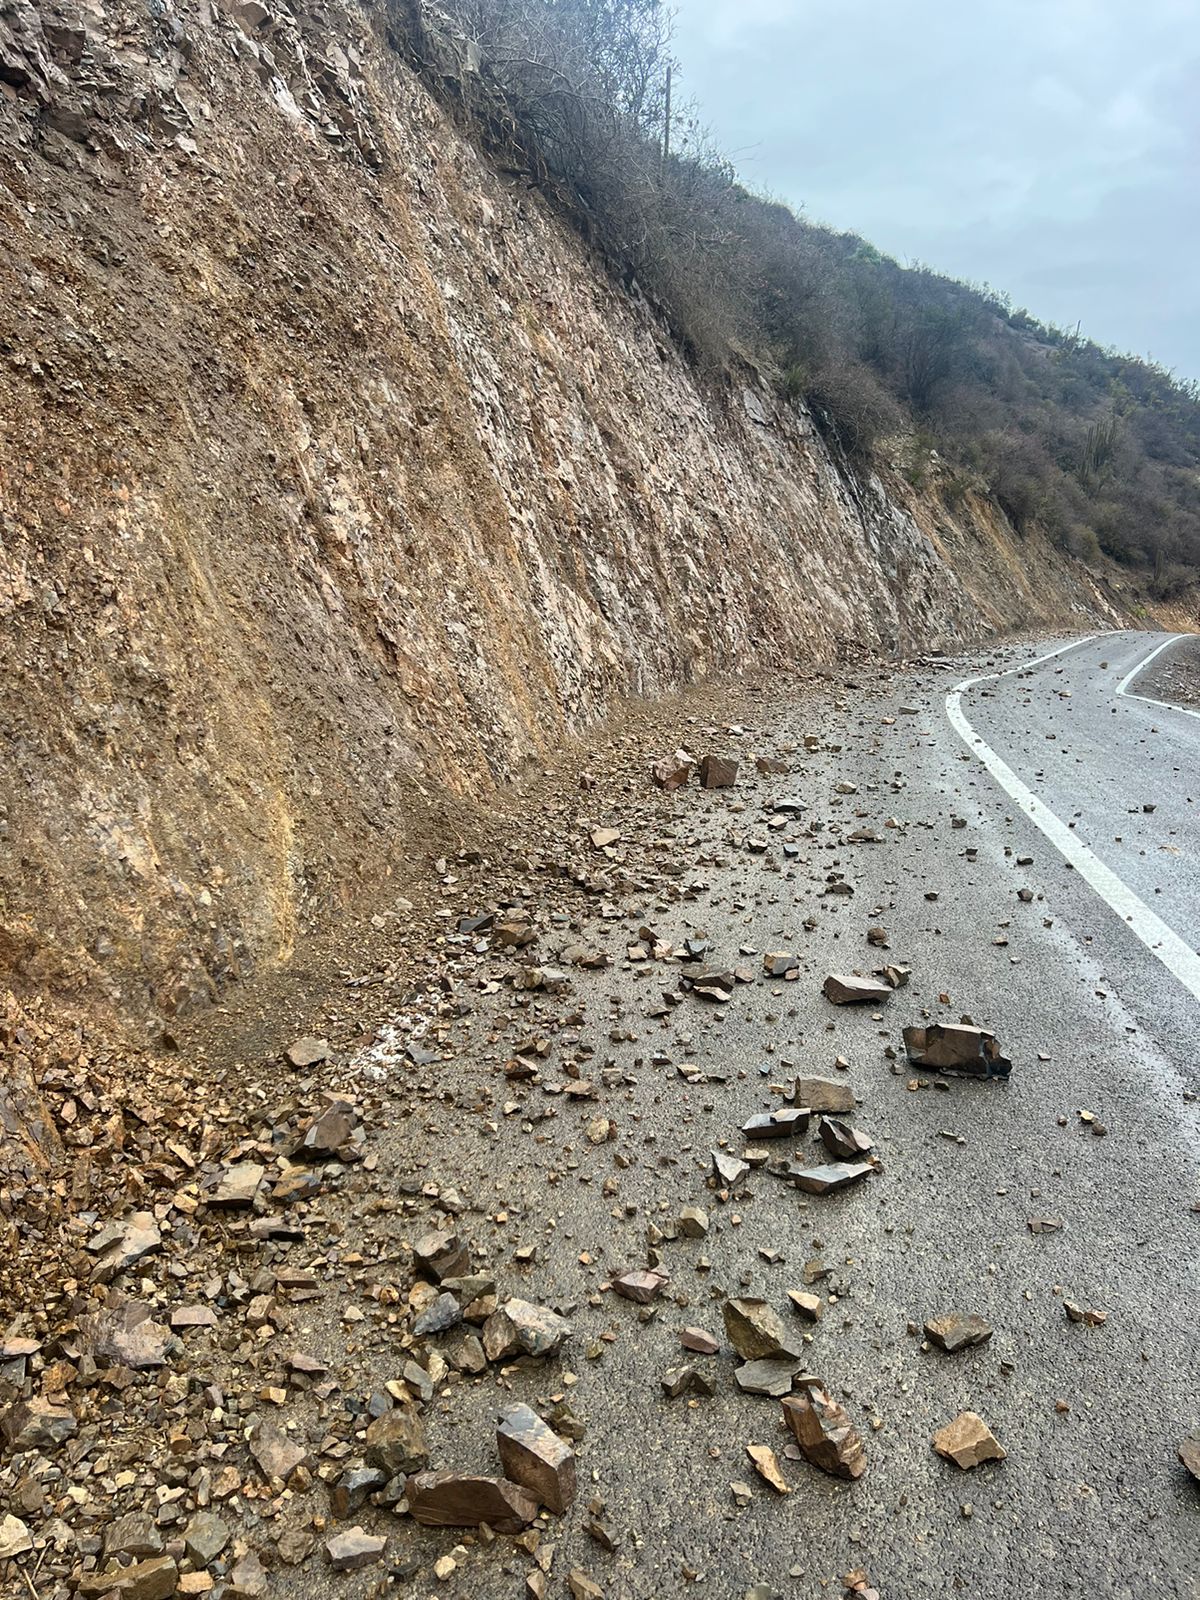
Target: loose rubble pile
<point x="182" y="1400"/>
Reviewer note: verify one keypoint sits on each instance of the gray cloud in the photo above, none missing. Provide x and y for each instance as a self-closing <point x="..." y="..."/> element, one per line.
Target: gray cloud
<point x="1049" y="147"/>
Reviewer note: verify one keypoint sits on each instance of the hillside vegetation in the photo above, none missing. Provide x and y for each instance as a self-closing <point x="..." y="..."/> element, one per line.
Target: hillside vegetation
<point x="1098" y="450"/>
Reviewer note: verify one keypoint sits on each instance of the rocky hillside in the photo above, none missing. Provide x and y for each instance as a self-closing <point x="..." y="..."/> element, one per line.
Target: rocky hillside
<point x="335" y="475"/>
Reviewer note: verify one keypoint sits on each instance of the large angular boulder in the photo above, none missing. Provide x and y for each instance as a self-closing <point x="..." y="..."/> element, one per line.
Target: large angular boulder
<point x="521" y="1328"/>
<point x="534" y="1456"/>
<point x="462" y="1500"/>
<point x="824" y="1432"/>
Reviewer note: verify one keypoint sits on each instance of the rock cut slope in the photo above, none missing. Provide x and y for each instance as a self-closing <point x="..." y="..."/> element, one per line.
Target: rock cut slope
<point x="334" y="472"/>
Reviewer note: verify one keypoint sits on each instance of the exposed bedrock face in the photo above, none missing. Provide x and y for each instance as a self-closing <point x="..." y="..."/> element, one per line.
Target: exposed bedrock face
<point x="334" y="473"/>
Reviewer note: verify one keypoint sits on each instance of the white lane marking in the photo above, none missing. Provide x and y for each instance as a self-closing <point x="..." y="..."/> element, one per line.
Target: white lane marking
<point x="1161" y="941"/>
<point x="1166" y="705"/>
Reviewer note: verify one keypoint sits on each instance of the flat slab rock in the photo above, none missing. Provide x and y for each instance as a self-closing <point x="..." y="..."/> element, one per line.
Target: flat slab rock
<point x="770" y="1377"/>
<point x="354" y="1548"/>
<point x="155" y="1579"/>
<point x="830" y="1177"/>
<point x="848" y="989"/>
<point x="307" y="1052"/>
<point x="757" y="1332"/>
<point x="457" y="1500"/>
<point x="824" y="1096"/>
<point x="641" y="1285"/>
<point x="968" y="1442"/>
<point x="277" y="1456"/>
<point x="954" y="1331"/>
<point x="785" y="1124"/>
<point x="1189" y="1454"/>
<point x="15" y="1538"/>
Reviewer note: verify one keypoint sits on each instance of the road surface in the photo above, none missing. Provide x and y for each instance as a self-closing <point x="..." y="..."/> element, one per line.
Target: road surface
<point x="1091" y="1500"/>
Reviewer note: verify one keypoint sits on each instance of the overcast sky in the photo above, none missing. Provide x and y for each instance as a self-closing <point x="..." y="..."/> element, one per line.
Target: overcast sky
<point x="1048" y="147"/>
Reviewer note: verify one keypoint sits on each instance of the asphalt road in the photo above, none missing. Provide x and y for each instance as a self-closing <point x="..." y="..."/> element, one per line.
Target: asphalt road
<point x="1091" y="1500"/>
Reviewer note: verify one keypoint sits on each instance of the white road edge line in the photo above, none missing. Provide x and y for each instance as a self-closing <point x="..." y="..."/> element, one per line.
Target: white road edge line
<point x="1162" y="942"/>
<point x="1166" y="705"/>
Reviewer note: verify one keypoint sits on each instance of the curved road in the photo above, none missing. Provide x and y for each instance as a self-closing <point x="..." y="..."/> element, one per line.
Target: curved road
<point x="901" y="826"/>
<point x="1121" y="773"/>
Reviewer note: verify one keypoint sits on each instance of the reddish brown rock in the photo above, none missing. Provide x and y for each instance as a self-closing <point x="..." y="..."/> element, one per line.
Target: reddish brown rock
<point x="756" y="1331"/>
<point x="641" y="1285"/>
<point x="824" y="1432"/>
<point x="697" y="1340"/>
<point x="955" y="1047"/>
<point x="718" y="772"/>
<point x="277" y="1455"/>
<point x="843" y="1141"/>
<point x="672" y="772"/>
<point x="534" y="1456"/>
<point x="954" y="1331"/>
<point x="850" y="990"/>
<point x="968" y="1442"/>
<point x="460" y="1500"/>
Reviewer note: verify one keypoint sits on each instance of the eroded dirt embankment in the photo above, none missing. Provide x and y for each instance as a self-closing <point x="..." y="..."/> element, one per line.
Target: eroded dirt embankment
<point x="336" y="479"/>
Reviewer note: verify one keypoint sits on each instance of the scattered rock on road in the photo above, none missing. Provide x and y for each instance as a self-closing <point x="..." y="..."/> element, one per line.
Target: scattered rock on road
<point x="844" y="1142"/>
<point x="968" y="1442"/>
<point x="534" y="1456"/>
<point x="641" y="1285"/>
<point x="849" y="989"/>
<point x="823" y="1096"/>
<point x="462" y="1500"/>
<point x="1093" y="1318"/>
<point x="956" y="1047"/>
<point x="766" y="1464"/>
<point x="718" y="772"/>
<point x="829" y="1178"/>
<point x="824" y="1432"/>
<point x="954" y="1331"/>
<point x="785" y="1124"/>
<point x="756" y="1331"/>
